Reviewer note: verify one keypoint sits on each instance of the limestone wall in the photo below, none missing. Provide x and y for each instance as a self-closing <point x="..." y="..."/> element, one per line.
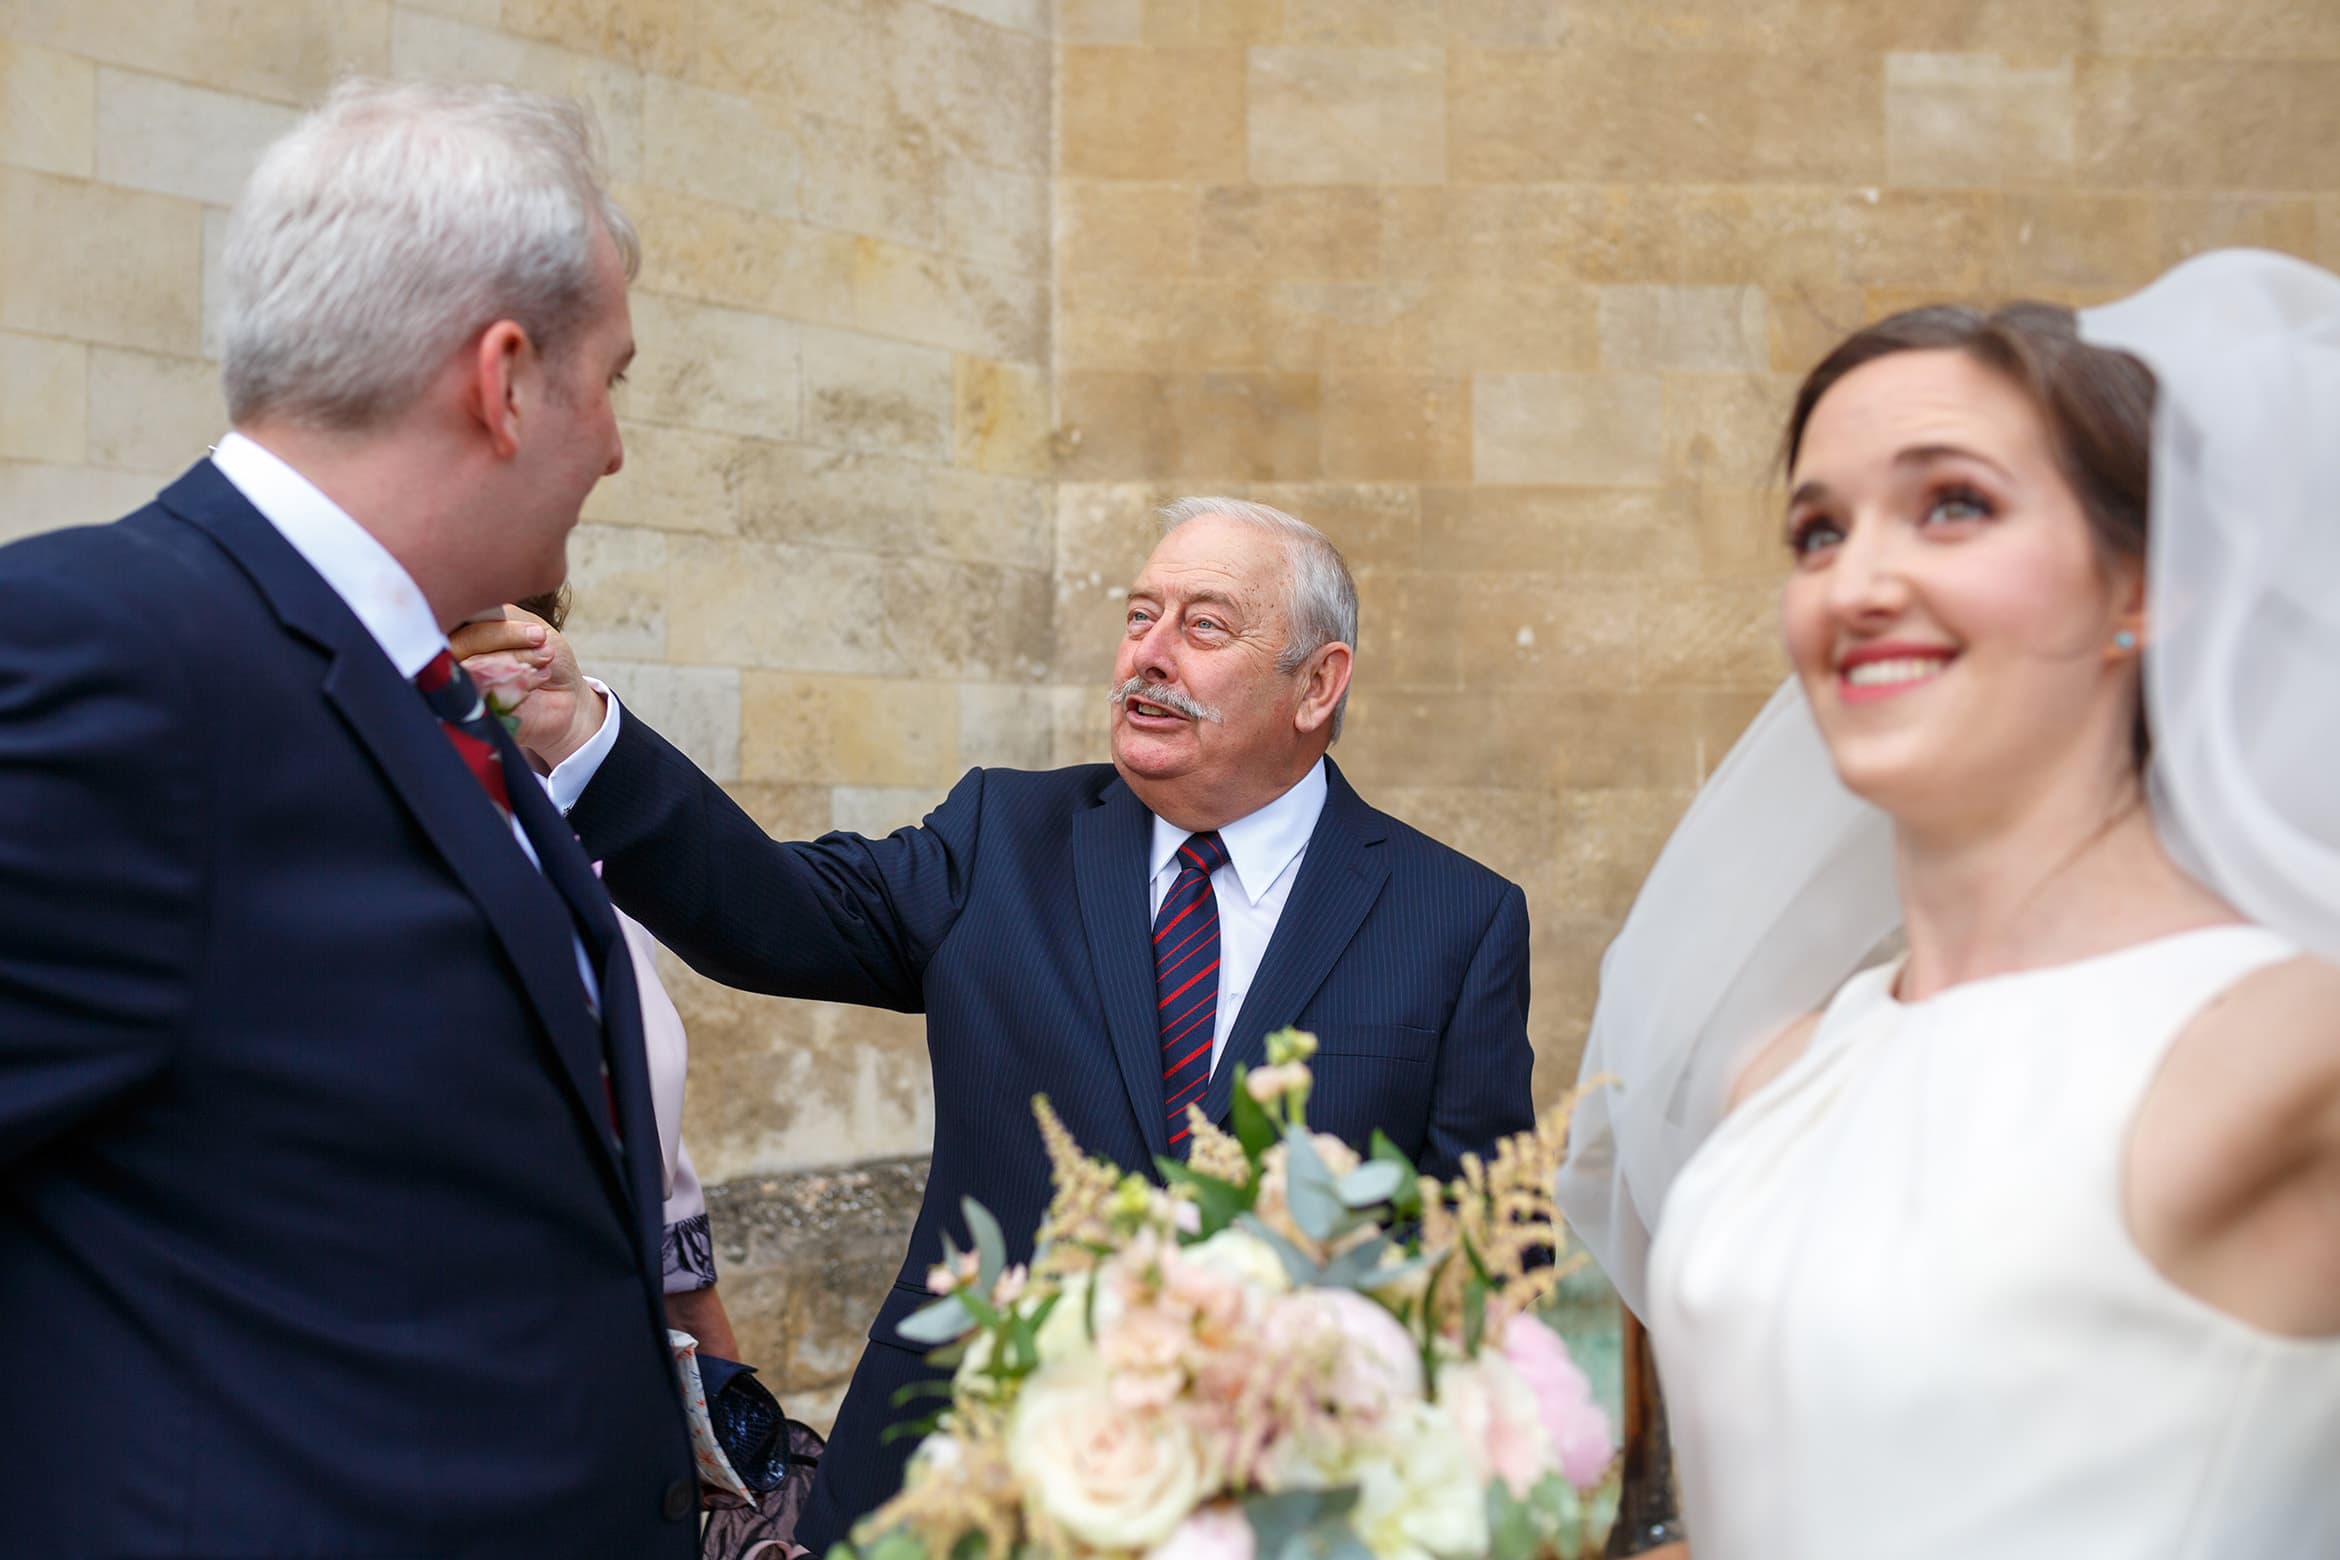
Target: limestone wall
<point x="941" y="295"/>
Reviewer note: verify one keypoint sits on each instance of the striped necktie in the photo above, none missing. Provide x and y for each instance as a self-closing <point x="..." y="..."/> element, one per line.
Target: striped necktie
<point x="1186" y="980"/>
<point x="463" y="715"/>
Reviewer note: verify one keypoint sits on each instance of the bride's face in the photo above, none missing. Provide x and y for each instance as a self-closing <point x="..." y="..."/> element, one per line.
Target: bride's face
<point x="1948" y="613"/>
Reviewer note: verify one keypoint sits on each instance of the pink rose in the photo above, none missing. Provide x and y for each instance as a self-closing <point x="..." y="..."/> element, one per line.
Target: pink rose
<point x="1578" y="1427"/>
<point x="1216" y="1532"/>
<point x="1499" y="1419"/>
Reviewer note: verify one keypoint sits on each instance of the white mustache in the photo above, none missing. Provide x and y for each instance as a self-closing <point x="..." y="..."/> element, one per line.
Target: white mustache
<point x="1168" y="698"/>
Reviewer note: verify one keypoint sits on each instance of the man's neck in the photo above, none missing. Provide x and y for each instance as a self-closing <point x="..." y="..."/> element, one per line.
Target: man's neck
<point x="387" y="484"/>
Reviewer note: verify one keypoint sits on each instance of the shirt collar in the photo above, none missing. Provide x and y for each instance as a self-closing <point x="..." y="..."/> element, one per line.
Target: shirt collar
<point x="360" y="569"/>
<point x="1262" y="844"/>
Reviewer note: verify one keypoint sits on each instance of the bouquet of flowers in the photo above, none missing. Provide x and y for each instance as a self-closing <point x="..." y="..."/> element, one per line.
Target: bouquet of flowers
<point x="1286" y="1353"/>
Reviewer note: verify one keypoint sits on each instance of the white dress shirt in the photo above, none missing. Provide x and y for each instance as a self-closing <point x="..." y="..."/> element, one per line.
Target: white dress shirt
<point x="373" y="585"/>
<point x="1263" y="859"/>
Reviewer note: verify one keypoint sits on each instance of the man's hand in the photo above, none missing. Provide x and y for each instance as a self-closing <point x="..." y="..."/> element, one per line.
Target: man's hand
<point x="527" y="670"/>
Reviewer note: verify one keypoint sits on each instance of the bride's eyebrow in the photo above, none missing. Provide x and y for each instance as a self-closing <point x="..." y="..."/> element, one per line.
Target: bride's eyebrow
<point x="1927" y="454"/>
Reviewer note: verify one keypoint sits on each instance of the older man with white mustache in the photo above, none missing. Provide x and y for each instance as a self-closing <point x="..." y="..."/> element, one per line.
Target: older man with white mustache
<point x="1120" y="937"/>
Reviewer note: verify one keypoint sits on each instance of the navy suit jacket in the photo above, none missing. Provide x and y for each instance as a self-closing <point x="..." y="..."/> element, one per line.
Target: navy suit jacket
<point x="1017" y="919"/>
<point x="314" y="1235"/>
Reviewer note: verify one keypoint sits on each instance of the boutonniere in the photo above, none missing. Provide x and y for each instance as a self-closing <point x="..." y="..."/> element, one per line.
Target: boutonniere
<point x="502" y="683"/>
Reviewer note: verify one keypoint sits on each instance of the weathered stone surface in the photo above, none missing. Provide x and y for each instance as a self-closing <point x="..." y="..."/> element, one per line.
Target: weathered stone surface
<point x="288" y="51"/>
<point x="867" y="393"/>
<point x="2190" y="124"/>
<point x="1718" y="328"/>
<point x="1343" y="116"/>
<point x="39" y="496"/>
<point x="674" y="479"/>
<point x="1257" y="426"/>
<point x="1405" y="427"/>
<point x="1573" y="429"/>
<point x="1595" y="114"/>
<point x="697" y="708"/>
<point x="445" y="50"/>
<point x="96" y="264"/>
<point x="152" y="414"/>
<point x="1151" y="113"/>
<point x="48" y="112"/>
<point x="617" y="579"/>
<point x="1964" y="121"/>
<point x="44" y="399"/>
<point x="175" y="139"/>
<point x="1000" y="420"/>
<point x="849" y="730"/>
<point x="721" y="146"/>
<point x="720" y="370"/>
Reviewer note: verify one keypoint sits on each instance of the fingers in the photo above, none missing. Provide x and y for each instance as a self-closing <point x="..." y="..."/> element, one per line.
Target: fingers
<point x="505" y="635"/>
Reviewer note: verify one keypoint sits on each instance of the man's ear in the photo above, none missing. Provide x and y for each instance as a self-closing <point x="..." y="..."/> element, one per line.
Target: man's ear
<point x="1323" y="680"/>
<point x="503" y="361"/>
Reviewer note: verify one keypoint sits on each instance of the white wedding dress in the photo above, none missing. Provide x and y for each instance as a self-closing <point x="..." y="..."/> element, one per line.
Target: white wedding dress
<point x="1899" y="1314"/>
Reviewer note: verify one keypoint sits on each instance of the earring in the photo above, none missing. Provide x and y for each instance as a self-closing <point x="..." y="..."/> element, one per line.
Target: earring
<point x="2124" y="640"/>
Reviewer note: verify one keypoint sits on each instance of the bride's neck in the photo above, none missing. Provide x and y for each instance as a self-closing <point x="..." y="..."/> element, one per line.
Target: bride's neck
<point x="2076" y="872"/>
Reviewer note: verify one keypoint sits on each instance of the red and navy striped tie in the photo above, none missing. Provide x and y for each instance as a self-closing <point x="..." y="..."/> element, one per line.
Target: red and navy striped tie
<point x="1186" y="980"/>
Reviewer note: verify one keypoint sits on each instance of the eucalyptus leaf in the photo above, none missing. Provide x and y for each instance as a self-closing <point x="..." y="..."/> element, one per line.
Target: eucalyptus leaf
<point x="1281" y="1525"/>
<point x="1351" y="1269"/>
<point x="1474" y="1315"/>
<point x="1346" y="1545"/>
<point x="1308" y="1188"/>
<point x="990" y="1242"/>
<point x="1374" y="1181"/>
<point x="939" y="1322"/>
<point x="1297" y="1265"/>
<point x="1512" y="1532"/>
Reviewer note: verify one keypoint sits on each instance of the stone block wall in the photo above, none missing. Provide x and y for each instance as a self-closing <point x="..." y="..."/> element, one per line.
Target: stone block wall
<point x="941" y="296"/>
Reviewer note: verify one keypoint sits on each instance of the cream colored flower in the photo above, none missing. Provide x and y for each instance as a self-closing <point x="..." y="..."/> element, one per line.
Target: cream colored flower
<point x="1241" y="1256"/>
<point x="1111" y="1478"/>
<point x="1421" y="1498"/>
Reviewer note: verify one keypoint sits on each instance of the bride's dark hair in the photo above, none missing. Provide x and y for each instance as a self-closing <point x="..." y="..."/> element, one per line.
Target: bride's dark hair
<point x="2097" y="404"/>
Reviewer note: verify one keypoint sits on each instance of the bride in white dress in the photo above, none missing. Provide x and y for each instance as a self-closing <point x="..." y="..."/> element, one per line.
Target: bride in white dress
<point x="2027" y="1242"/>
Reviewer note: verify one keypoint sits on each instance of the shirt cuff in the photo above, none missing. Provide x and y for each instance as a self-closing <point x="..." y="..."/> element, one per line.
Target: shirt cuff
<point x="573" y="774"/>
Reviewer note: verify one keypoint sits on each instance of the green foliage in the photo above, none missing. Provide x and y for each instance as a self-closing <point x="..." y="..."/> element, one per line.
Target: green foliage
<point x="1309" y="1189"/>
<point x="1305" y="1525"/>
<point x="1220" y="1203"/>
<point x="1254" y="1128"/>
<point x="937" y="1322"/>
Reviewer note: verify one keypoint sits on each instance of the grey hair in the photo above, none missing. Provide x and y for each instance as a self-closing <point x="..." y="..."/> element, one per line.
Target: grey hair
<point x="1321" y="606"/>
<point x="394" y="223"/>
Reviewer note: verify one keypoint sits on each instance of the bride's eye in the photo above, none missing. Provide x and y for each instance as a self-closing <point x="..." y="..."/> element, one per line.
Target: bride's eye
<point x="1809" y="535"/>
<point x="1952" y="504"/>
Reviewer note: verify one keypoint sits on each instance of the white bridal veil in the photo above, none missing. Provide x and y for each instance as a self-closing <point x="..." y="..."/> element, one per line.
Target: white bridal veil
<point x="1779" y="883"/>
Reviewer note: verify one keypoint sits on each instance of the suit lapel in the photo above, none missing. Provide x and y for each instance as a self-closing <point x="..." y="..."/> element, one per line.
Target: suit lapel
<point x="1109" y="870"/>
<point x="1340" y="878"/>
<point x="405" y="740"/>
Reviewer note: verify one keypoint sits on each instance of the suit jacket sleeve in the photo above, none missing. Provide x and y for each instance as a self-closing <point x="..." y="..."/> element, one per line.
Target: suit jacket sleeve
<point x="1485" y="1063"/>
<point x="841" y="918"/>
<point x="103" y="814"/>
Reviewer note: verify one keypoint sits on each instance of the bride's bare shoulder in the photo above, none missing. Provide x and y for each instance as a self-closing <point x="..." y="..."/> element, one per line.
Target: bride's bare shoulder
<point x="1773" y="1057"/>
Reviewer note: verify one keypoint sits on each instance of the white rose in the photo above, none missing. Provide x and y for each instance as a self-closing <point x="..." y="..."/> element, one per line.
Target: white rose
<point x="1242" y="1256"/>
<point x="1064" y="1338"/>
<point x="1111" y="1478"/>
<point x="1421" y="1498"/>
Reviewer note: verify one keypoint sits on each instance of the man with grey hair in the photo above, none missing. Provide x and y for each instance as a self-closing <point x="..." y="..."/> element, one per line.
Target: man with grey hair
<point x="328" y="1174"/>
<point x="1118" y="937"/>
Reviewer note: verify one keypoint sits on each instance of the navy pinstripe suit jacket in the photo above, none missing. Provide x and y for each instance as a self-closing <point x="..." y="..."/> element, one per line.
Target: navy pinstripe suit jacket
<point x="1016" y="918"/>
